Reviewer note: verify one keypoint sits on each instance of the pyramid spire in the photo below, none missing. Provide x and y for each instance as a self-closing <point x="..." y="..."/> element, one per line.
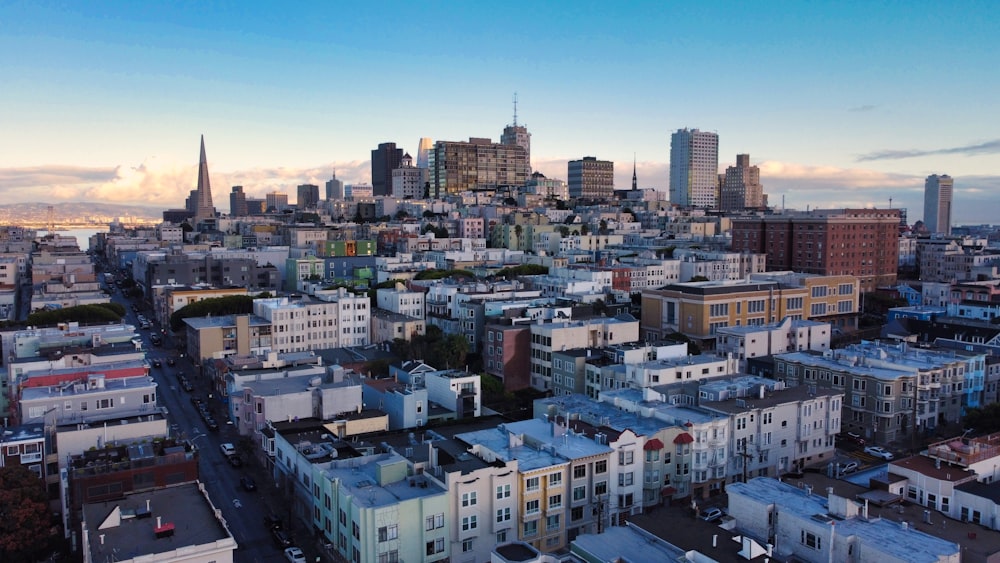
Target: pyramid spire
<point x="635" y="183"/>
<point x="204" y="208"/>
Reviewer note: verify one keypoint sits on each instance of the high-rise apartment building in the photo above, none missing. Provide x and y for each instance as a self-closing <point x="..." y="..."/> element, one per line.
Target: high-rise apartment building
<point x="385" y="159"/>
<point x="858" y="242"/>
<point x="590" y="178"/>
<point x="458" y="166"/>
<point x="334" y="187"/>
<point x="937" y="203"/>
<point x="694" y="168"/>
<point x="238" y="202"/>
<point x="308" y="196"/>
<point x="740" y="188"/>
<point x="407" y="180"/>
<point x="203" y="208"/>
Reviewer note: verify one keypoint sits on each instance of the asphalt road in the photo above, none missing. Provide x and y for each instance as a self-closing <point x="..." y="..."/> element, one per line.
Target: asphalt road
<point x="243" y="510"/>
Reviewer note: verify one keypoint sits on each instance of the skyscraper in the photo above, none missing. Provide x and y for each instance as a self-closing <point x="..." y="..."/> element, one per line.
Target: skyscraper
<point x="937" y="203"/>
<point x="590" y="178"/>
<point x="385" y="159"/>
<point x="334" y="187"/>
<point x="308" y="196"/>
<point x="408" y="180"/>
<point x="238" y="202"/>
<point x="457" y="166"/>
<point x="741" y="187"/>
<point x="518" y="135"/>
<point x="694" y="168"/>
<point x="203" y="208"/>
<point x="424" y="148"/>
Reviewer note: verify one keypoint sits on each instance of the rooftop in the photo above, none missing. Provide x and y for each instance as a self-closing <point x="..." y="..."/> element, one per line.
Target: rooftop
<point x="126" y="529"/>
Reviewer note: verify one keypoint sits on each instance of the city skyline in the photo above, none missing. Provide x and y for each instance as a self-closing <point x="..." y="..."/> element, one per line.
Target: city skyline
<point x="835" y="103"/>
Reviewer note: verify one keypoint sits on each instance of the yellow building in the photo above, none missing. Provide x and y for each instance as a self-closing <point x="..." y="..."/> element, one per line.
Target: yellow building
<point x="698" y="309"/>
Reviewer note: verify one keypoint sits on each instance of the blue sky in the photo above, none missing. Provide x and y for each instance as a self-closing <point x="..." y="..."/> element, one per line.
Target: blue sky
<point x="846" y="103"/>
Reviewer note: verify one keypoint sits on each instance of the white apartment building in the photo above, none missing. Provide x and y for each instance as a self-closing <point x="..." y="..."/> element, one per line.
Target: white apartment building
<point x="402" y="301"/>
<point x="718" y="266"/>
<point x="332" y="319"/>
<point x="677" y="370"/>
<point x="569" y="335"/>
<point x="758" y="341"/>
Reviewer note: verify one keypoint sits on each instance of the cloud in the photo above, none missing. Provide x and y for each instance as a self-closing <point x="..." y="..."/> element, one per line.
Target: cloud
<point x="987" y="147"/>
<point x="162" y="183"/>
<point x="41" y="176"/>
<point x="863" y="108"/>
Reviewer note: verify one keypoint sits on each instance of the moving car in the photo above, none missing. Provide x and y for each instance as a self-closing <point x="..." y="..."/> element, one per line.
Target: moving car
<point x="281" y="537"/>
<point x="295" y="555"/>
<point x="711" y="514"/>
<point x="156" y="363"/>
<point x="852" y="438"/>
<point x="171" y="362"/>
<point x="879" y="452"/>
<point x="227" y="449"/>
<point x="248" y="483"/>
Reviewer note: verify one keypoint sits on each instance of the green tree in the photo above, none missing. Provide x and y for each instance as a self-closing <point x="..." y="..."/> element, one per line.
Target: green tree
<point x="698" y="279"/>
<point x="84" y="314"/>
<point x="25" y="529"/>
<point x="584" y="229"/>
<point x="602" y="228"/>
<point x="563" y="230"/>
<point x="450" y="351"/>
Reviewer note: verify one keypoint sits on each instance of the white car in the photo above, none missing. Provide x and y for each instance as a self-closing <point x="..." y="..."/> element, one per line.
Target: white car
<point x="849" y="467"/>
<point x="227" y="449"/>
<point x="295" y="555"/>
<point x="879" y="452"/>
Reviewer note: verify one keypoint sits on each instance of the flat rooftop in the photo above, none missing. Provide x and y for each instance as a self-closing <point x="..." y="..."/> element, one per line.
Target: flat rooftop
<point x="124" y="529"/>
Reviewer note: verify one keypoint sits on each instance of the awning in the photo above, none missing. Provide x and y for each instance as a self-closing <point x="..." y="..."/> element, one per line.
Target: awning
<point x="683" y="438"/>
<point x="654" y="444"/>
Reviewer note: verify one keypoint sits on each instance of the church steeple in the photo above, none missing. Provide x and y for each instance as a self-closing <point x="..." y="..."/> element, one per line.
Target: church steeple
<point x="635" y="182"/>
<point x="203" y="206"/>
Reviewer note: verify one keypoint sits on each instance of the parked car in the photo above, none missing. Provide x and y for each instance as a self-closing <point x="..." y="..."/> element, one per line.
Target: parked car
<point x="156" y="363"/>
<point x="212" y="424"/>
<point x="849" y="467"/>
<point x="235" y="461"/>
<point x="227" y="449"/>
<point x="879" y="452"/>
<point x="248" y="483"/>
<point x="294" y="555"/>
<point x="711" y="514"/>
<point x="281" y="537"/>
<point x="272" y="521"/>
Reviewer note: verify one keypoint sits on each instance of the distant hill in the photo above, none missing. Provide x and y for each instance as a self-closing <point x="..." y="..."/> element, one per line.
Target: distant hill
<point x="78" y="212"/>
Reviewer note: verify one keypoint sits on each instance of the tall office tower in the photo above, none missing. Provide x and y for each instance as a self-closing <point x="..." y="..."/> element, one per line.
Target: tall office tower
<point x="694" y="168"/>
<point x="238" y="202"/>
<point x="424" y="149"/>
<point x="308" y="196"/>
<point x="191" y="202"/>
<point x="740" y="187"/>
<point x="408" y="180"/>
<point x="334" y="187"/>
<point x="937" y="203"/>
<point x="276" y="201"/>
<point x="203" y="208"/>
<point x="590" y="178"/>
<point x="515" y="134"/>
<point x="458" y="166"/>
<point x="385" y="159"/>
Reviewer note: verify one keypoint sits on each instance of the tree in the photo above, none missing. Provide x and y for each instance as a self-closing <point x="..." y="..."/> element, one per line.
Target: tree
<point x="451" y="351"/>
<point x="585" y="229"/>
<point x="563" y="230"/>
<point x="518" y="230"/>
<point x="84" y="314"/>
<point x="25" y="530"/>
<point x="402" y="214"/>
<point x="698" y="279"/>
<point x="602" y="228"/>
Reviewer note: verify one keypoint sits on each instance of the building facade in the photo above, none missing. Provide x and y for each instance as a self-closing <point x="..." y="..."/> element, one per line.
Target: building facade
<point x="694" y="168"/>
<point x="741" y="188"/>
<point x="590" y="178"/>
<point x="458" y="166"/>
<point x="938" y="191"/>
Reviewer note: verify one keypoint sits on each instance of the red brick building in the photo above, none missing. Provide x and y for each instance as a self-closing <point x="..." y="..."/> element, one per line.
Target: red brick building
<point x="858" y="242"/>
<point x="507" y="354"/>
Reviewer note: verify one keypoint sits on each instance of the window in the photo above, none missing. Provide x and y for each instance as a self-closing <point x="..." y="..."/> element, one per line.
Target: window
<point x="466" y="546"/>
<point x="601" y="466"/>
<point x="810" y="539"/>
<point x="531" y="507"/>
<point x="503" y="491"/>
<point x="435" y="546"/>
<point x="579" y="493"/>
<point x="601" y="488"/>
<point x="386" y="533"/>
<point x="503" y="515"/>
<point x="625" y="479"/>
<point x="530" y="528"/>
<point x="576" y="513"/>
<point x="555" y="501"/>
<point x="552" y="522"/>
<point x="501" y="537"/>
<point x="555" y="479"/>
<point x="468" y="523"/>
<point x="469" y="499"/>
<point x="625" y="458"/>
<point x="652" y="455"/>
<point x="580" y="471"/>
<point x="531" y="484"/>
<point x="355" y="530"/>
<point x="389" y="557"/>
